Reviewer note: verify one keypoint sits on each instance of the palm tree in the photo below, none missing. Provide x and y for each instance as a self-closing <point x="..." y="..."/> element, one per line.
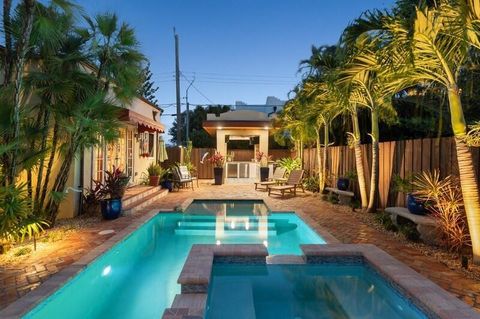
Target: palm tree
<point x="347" y="105"/>
<point x="369" y="89"/>
<point x="113" y="49"/>
<point x="434" y="48"/>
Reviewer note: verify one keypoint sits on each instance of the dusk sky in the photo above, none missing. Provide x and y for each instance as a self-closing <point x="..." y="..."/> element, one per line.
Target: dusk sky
<point x="238" y="50"/>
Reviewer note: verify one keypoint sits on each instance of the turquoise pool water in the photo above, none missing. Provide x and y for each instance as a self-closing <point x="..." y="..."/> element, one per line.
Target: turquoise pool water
<point x="327" y="291"/>
<point x="137" y="278"/>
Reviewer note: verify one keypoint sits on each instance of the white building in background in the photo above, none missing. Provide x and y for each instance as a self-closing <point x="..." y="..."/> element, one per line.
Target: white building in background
<point x="272" y="105"/>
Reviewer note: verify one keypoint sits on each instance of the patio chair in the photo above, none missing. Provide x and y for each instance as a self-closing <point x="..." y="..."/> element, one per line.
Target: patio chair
<point x="185" y="173"/>
<point x="293" y="181"/>
<point x="277" y="178"/>
<point x="182" y="177"/>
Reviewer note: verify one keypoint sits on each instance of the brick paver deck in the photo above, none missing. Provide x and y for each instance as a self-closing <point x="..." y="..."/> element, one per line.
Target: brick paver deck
<point x="17" y="278"/>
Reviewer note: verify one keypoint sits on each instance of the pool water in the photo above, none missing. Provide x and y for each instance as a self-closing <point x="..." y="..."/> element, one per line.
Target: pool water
<point x="137" y="278"/>
<point x="319" y="291"/>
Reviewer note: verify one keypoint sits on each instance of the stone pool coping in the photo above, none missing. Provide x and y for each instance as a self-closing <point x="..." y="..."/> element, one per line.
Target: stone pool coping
<point x="196" y="274"/>
<point x="321" y="231"/>
<point x="26" y="303"/>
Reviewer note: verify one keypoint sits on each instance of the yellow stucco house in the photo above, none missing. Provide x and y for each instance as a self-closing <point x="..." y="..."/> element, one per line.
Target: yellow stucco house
<point x="136" y="148"/>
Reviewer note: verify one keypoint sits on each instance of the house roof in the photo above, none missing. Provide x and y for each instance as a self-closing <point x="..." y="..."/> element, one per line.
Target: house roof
<point x="237" y="120"/>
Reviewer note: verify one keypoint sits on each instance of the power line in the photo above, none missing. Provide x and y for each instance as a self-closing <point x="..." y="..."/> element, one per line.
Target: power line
<point x="245" y="75"/>
<point x="196" y="89"/>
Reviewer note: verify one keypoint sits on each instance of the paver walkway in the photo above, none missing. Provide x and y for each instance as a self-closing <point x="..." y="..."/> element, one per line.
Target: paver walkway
<point x="18" y="278"/>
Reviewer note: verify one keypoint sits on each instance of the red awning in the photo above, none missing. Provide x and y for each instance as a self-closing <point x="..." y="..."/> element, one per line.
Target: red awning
<point x="143" y="123"/>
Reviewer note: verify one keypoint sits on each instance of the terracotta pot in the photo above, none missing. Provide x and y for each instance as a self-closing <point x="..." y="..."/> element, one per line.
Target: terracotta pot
<point x="153" y="180"/>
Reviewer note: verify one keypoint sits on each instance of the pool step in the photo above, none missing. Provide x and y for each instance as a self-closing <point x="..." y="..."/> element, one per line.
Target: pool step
<point x="210" y="229"/>
<point x="142" y="201"/>
<point x="237" y="224"/>
<point x="137" y="193"/>
<point x="227" y="232"/>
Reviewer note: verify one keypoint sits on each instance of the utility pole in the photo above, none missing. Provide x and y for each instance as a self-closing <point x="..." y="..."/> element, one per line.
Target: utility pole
<point x="187" y="119"/>
<point x="177" y="83"/>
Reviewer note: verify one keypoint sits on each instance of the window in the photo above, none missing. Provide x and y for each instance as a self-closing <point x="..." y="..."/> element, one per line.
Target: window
<point x="99" y="162"/>
<point x="147" y="144"/>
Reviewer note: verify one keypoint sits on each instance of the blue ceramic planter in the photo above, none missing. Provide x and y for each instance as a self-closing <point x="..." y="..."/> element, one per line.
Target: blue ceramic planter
<point x="111" y="208"/>
<point x="343" y="183"/>
<point x="167" y="185"/>
<point x="415" y="206"/>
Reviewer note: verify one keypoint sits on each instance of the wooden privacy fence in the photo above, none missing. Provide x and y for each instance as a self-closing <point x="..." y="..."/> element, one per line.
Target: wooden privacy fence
<point x="205" y="169"/>
<point x="395" y="157"/>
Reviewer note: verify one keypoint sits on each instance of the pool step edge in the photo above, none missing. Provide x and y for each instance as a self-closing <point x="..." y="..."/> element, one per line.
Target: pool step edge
<point x="142" y="202"/>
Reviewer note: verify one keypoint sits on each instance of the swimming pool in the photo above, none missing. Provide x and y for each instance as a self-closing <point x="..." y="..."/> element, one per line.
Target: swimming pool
<point x="311" y="291"/>
<point x="137" y="278"/>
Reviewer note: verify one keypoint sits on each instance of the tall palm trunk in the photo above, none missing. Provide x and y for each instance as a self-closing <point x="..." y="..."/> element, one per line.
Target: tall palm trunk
<point x="7" y="29"/>
<point x="19" y="65"/>
<point x="302" y="152"/>
<point x="53" y="153"/>
<point x="59" y="185"/>
<point x="468" y="179"/>
<point x="321" y="176"/>
<point x="326" y="141"/>
<point x="43" y="145"/>
<point x="359" y="162"/>
<point x="375" y="133"/>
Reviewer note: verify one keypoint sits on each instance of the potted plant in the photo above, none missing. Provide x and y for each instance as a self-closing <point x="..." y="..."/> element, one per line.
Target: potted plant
<point x="263" y="159"/>
<point x="405" y="186"/>
<point x="112" y="191"/>
<point x="218" y="161"/>
<point x="154" y="171"/>
<point x="344" y="182"/>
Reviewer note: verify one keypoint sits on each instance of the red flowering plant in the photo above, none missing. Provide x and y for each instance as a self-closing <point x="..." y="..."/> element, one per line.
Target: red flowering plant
<point x="263" y="159"/>
<point x="217" y="160"/>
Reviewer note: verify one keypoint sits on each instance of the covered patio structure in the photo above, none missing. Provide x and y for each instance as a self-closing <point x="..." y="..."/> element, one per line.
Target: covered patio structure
<point x="236" y="126"/>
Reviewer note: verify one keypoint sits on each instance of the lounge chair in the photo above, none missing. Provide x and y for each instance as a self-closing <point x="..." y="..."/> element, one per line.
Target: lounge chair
<point x="182" y="177"/>
<point x="277" y="178"/>
<point x="185" y="173"/>
<point x="293" y="181"/>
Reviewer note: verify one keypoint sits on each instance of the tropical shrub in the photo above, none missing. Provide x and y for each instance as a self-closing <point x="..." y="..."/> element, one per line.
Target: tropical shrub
<point x="311" y="183"/>
<point x="443" y="197"/>
<point x="15" y="207"/>
<point x="384" y="219"/>
<point x="402" y="185"/>
<point x="91" y="198"/>
<point x="409" y="230"/>
<point x="290" y="164"/>
<point x="17" y="221"/>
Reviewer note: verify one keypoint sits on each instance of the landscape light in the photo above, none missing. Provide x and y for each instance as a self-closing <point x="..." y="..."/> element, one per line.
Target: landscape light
<point x="106" y="271"/>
